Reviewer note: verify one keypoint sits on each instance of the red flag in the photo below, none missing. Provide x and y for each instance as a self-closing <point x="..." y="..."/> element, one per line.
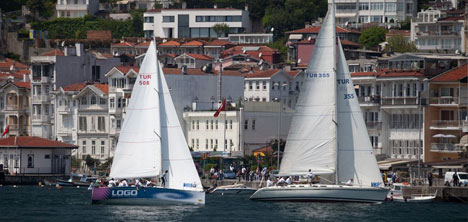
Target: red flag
<point x="221" y="108"/>
<point x="7" y="129"/>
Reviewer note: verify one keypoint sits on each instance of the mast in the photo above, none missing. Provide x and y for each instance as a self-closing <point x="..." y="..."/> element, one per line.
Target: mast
<point x="335" y="88"/>
<point x="158" y="91"/>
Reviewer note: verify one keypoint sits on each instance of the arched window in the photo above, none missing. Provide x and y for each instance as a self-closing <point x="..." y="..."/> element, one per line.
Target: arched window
<point x="30" y="160"/>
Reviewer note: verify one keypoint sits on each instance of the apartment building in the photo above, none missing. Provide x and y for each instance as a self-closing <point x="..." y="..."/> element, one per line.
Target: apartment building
<point x="15" y="111"/>
<point x="193" y="23"/>
<point x="76" y="8"/>
<point x="374" y="11"/>
<point x="447" y="115"/>
<point x="434" y="31"/>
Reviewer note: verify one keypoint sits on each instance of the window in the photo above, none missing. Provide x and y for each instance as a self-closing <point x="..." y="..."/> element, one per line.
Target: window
<point x="216" y="143"/>
<point x="83" y="126"/>
<point x="364" y="6"/>
<point x="83" y="147"/>
<point x="257" y="85"/>
<point x="230" y="144"/>
<point x="84" y="101"/>
<point x="149" y="19"/>
<point x="93" y="147"/>
<point x="103" y="145"/>
<point x="168" y="18"/>
<point x="206" y="144"/>
<point x="198" y="124"/>
<point x="250" y="85"/>
<point x="101" y="123"/>
<point x="216" y="124"/>
<point x="112" y="103"/>
<point x="207" y="124"/>
<point x="193" y="143"/>
<point x="93" y="100"/>
<point x="197" y="144"/>
<point x="47" y="156"/>
<point x="118" y="123"/>
<point x="30" y="160"/>
<point x="230" y="124"/>
<point x="390" y="6"/>
<point x="264" y="85"/>
<point x="96" y="73"/>
<point x="102" y="101"/>
<point x="253" y="124"/>
<point x="211" y="124"/>
<point x="193" y="124"/>
<point x="93" y="123"/>
<point x="246" y="124"/>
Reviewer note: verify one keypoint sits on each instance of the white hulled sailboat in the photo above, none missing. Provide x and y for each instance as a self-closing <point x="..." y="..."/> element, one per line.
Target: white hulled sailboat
<point x="328" y="134"/>
<point x="152" y="142"/>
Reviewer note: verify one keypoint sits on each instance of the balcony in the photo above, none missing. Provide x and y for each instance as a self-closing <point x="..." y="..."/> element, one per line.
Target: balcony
<point x="16" y="108"/>
<point x="410" y="100"/>
<point x="445" y="148"/>
<point x="43" y="79"/>
<point x="444" y="100"/>
<point x="446" y="124"/>
<point x="64" y="109"/>
<point x="18" y="130"/>
<point x="465" y="126"/>
<point x="374" y="125"/>
<point x="70" y="7"/>
<point x="41" y="98"/>
<point x="40" y="118"/>
<point x="369" y="100"/>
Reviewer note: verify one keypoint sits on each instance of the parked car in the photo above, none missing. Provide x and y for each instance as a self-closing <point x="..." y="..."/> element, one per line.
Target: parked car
<point x="228" y="174"/>
<point x="462" y="179"/>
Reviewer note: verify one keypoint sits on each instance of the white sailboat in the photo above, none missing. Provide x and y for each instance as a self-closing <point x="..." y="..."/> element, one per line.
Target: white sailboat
<point x="152" y="142"/>
<point x="328" y="134"/>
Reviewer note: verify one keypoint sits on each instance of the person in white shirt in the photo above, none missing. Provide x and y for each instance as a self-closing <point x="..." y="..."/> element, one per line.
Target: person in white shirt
<point x="269" y="183"/>
<point x="281" y="181"/>
<point x="350" y="182"/>
<point x="231" y="168"/>
<point x="111" y="183"/>
<point x="148" y="183"/>
<point x="124" y="183"/>
<point x="138" y="183"/>
<point x="310" y="176"/>
<point x="289" y="180"/>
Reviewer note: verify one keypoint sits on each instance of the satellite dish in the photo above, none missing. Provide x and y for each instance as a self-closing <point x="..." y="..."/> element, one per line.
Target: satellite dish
<point x="299" y="61"/>
<point x="260" y="62"/>
<point x="243" y="51"/>
<point x="272" y="29"/>
<point x="260" y="55"/>
<point x="310" y="38"/>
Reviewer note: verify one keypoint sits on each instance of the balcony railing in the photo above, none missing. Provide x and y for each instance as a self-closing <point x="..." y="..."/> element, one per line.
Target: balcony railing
<point x="15" y="108"/>
<point x="446" y="123"/>
<point x="445" y="147"/>
<point x="410" y="100"/>
<point x="42" y="118"/>
<point x="374" y="125"/>
<point x="42" y="79"/>
<point x="41" y="98"/>
<point x="72" y="7"/>
<point x="369" y="99"/>
<point x="444" y="100"/>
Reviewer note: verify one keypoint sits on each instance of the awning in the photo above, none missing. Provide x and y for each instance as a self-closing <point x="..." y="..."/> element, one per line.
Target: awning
<point x="448" y="167"/>
<point x="386" y="164"/>
<point x="464" y="140"/>
<point x="444" y="136"/>
<point x="295" y="36"/>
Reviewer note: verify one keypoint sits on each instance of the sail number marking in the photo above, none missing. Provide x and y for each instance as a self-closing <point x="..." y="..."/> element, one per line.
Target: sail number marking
<point x="348" y="96"/>
<point x="317" y="75"/>
<point x="144" y="82"/>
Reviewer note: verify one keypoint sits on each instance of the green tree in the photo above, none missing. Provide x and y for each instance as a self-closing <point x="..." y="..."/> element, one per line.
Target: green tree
<point x="221" y="29"/>
<point x="372" y="36"/>
<point x="399" y="44"/>
<point x="106" y="164"/>
<point x="280" y="44"/>
<point x="76" y="163"/>
<point x="90" y="162"/>
<point x="41" y="8"/>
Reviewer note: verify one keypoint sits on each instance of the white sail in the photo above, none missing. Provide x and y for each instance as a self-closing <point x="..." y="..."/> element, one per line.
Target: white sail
<point x="138" y="151"/>
<point x="311" y="142"/>
<point x="177" y="159"/>
<point x="355" y="156"/>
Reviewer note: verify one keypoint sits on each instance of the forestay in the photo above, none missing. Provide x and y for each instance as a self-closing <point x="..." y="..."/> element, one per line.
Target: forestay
<point x="355" y="157"/>
<point x="311" y="139"/>
<point x="138" y="151"/>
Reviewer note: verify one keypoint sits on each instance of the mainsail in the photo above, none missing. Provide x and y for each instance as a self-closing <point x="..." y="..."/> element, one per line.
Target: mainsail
<point x="355" y="157"/>
<point x="312" y="136"/>
<point x="138" y="151"/>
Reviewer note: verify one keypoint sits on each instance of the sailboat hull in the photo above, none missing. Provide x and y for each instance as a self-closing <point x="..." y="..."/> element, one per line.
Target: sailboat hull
<point x="321" y="193"/>
<point x="146" y="196"/>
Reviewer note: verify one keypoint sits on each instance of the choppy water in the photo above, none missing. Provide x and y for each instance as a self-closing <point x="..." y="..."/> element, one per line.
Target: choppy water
<point x="32" y="203"/>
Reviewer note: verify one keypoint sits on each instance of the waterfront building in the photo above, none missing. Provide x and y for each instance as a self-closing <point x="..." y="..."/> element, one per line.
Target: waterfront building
<point x="76" y="8"/>
<point x="243" y="63"/>
<point x="58" y="68"/>
<point x="447" y="115"/>
<point x="436" y="32"/>
<point x="251" y="38"/>
<point x="193" y="47"/>
<point x="193" y="23"/>
<point x="266" y="53"/>
<point x="15" y="111"/>
<point x="389" y="12"/>
<point x="215" y="47"/>
<point x="10" y="65"/>
<point x="193" y="61"/>
<point x="311" y="32"/>
<point x="273" y="85"/>
<point x="123" y="48"/>
<point x="27" y="155"/>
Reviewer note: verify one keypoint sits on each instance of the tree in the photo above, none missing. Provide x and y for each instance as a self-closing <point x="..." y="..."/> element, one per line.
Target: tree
<point x="399" y="44"/>
<point x="372" y="36"/>
<point x="90" y="162"/>
<point x="41" y="8"/>
<point x="221" y="29"/>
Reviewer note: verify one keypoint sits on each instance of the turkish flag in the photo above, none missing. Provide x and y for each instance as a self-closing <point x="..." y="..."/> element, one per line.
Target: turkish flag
<point x="7" y="129"/>
<point x="221" y="108"/>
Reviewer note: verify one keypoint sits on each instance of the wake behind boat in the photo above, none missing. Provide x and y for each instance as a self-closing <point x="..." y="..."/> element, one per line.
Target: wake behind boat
<point x="152" y="144"/>
<point x="328" y="136"/>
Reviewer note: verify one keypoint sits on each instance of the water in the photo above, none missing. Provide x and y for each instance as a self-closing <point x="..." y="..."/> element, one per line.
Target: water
<point x="32" y="203"/>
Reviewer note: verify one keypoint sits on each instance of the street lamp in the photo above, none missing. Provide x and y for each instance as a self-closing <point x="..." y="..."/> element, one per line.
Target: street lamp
<point x="279" y="85"/>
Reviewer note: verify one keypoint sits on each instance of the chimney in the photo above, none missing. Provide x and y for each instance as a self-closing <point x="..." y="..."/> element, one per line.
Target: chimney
<point x="79" y="49"/>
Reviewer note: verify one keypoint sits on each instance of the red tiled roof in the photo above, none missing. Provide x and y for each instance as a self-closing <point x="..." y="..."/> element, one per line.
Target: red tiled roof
<point x="170" y="43"/>
<point x="312" y="41"/>
<point x="126" y="69"/>
<point x="293" y="73"/>
<point x="316" y="29"/>
<point x="229" y="73"/>
<point x="218" y="43"/>
<point x="22" y="72"/>
<point x="452" y="18"/>
<point x="99" y="34"/>
<point x="199" y="56"/>
<point x="16" y="75"/>
<point x="262" y="74"/>
<point x="169" y="54"/>
<point x="33" y="142"/>
<point x="103" y="87"/>
<point x="401" y="74"/>
<point x="177" y="71"/>
<point x="75" y="87"/>
<point x="193" y="43"/>
<point x="349" y="43"/>
<point x="124" y="44"/>
<point x="359" y="74"/>
<point x="143" y="44"/>
<point x="9" y="62"/>
<point x="56" y="52"/>
<point x="453" y="75"/>
<point x="26" y="85"/>
<point x="394" y="32"/>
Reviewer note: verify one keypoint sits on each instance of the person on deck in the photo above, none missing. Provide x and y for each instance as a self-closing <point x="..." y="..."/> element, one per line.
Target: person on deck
<point x="111" y="183"/>
<point x="310" y="176"/>
<point x="163" y="179"/>
<point x="350" y="182"/>
<point x="281" y="182"/>
<point x="269" y="183"/>
<point x="123" y="183"/>
<point x="289" y="180"/>
<point x="429" y="178"/>
<point x="138" y="183"/>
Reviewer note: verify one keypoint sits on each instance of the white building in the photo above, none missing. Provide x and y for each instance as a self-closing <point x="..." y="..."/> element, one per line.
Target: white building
<point x="193" y="23"/>
<point x="76" y="8"/>
<point x="273" y="85"/>
<point x="376" y="11"/>
<point x="251" y="38"/>
<point x="433" y="31"/>
<point x="15" y="110"/>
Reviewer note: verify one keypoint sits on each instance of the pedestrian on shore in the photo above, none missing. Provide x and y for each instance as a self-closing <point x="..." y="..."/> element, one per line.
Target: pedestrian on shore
<point x="252" y="175"/>
<point x="455" y="179"/>
<point x="264" y="170"/>
<point x="429" y="178"/>
<point x="212" y="171"/>
<point x="393" y="177"/>
<point x="244" y="171"/>
<point x="231" y="168"/>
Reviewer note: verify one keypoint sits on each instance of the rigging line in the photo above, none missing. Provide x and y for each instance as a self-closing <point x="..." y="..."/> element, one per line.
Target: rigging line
<point x="156" y="91"/>
<point x="154" y="131"/>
